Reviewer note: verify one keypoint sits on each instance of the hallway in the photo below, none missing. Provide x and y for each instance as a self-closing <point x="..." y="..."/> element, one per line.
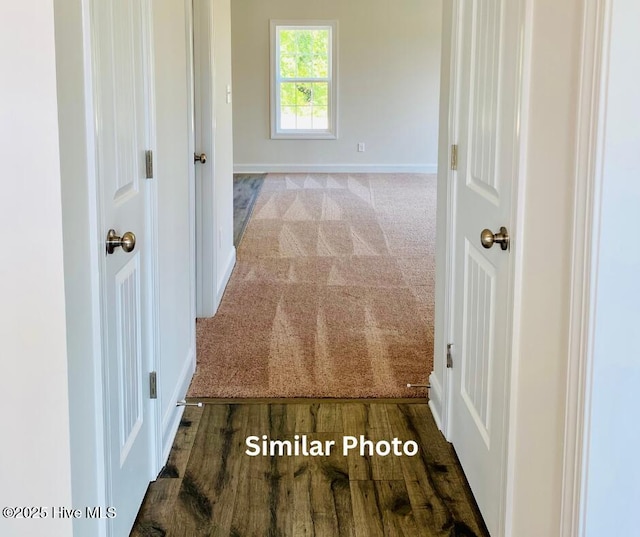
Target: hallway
<point x="211" y="486"/>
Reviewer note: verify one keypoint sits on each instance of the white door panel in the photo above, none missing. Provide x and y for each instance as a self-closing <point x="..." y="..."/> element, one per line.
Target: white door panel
<point x="122" y="136"/>
<point x="487" y="70"/>
<point x="129" y="355"/>
<point x="478" y="326"/>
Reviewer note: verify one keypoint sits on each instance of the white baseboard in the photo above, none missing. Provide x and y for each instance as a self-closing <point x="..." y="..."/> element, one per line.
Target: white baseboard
<point x="435" y="399"/>
<point x="335" y="168"/>
<point x="231" y="263"/>
<point x="173" y="414"/>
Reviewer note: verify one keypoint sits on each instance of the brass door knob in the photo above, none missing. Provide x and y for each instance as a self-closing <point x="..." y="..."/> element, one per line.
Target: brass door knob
<point x="488" y="238"/>
<point x="201" y="158"/>
<point x="127" y="242"/>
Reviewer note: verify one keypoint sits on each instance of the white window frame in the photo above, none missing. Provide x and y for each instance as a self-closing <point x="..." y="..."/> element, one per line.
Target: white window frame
<point x="277" y="132"/>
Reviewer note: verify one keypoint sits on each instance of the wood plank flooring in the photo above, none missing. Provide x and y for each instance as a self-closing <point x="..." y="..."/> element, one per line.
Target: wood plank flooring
<point x="211" y="487"/>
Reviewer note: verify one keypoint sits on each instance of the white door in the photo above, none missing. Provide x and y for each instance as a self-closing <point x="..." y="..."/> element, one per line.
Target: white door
<point x="174" y="184"/>
<point x="487" y="37"/>
<point x="119" y="42"/>
<point x="205" y="124"/>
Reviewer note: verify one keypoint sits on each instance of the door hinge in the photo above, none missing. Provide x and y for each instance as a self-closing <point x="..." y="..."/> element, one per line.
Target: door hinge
<point x="148" y="160"/>
<point x="454" y="157"/>
<point x="449" y="355"/>
<point x="153" y="385"/>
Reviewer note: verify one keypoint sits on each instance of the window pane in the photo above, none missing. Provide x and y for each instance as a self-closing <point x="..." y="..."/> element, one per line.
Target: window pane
<point x="304" y="93"/>
<point x="320" y="93"/>
<point x="320" y="42"/>
<point x="288" y="117"/>
<point x="305" y="117"/>
<point x="320" y="117"/>
<point x="288" y="66"/>
<point x="304" y="53"/>
<point x="288" y="93"/>
<point x="288" y="42"/>
<point x="305" y="66"/>
<point x="320" y="66"/>
<point x="304" y="42"/>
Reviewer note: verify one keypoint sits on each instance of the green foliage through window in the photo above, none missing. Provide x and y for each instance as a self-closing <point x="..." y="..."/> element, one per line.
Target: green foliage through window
<point x="304" y="60"/>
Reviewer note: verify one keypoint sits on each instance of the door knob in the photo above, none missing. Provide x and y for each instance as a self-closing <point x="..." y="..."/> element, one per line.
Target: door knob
<point x="488" y="238"/>
<point x="201" y="158"/>
<point x="127" y="241"/>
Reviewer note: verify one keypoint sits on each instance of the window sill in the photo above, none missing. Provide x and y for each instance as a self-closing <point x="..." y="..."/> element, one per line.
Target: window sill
<point x="304" y="136"/>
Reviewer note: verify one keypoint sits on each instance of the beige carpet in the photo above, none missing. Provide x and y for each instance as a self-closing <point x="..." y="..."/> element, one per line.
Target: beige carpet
<point x="332" y="294"/>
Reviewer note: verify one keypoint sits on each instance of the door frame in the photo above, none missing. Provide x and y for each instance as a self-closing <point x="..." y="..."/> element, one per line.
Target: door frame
<point x="446" y="292"/>
<point x="586" y="231"/>
<point x="91" y="345"/>
<point x="190" y="33"/>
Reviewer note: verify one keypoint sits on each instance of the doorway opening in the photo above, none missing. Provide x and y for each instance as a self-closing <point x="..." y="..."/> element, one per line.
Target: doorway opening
<point x="335" y="295"/>
<point x="330" y="291"/>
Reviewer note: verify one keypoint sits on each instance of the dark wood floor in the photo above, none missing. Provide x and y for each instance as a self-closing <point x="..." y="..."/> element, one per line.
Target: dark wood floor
<point x="211" y="487"/>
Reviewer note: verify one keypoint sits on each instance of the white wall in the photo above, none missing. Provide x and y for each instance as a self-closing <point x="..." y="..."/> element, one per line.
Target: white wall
<point x="388" y="85"/>
<point x="34" y="454"/>
<point x="613" y="472"/>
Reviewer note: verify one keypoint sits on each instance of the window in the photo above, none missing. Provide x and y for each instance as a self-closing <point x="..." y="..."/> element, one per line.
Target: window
<point x="303" y="79"/>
